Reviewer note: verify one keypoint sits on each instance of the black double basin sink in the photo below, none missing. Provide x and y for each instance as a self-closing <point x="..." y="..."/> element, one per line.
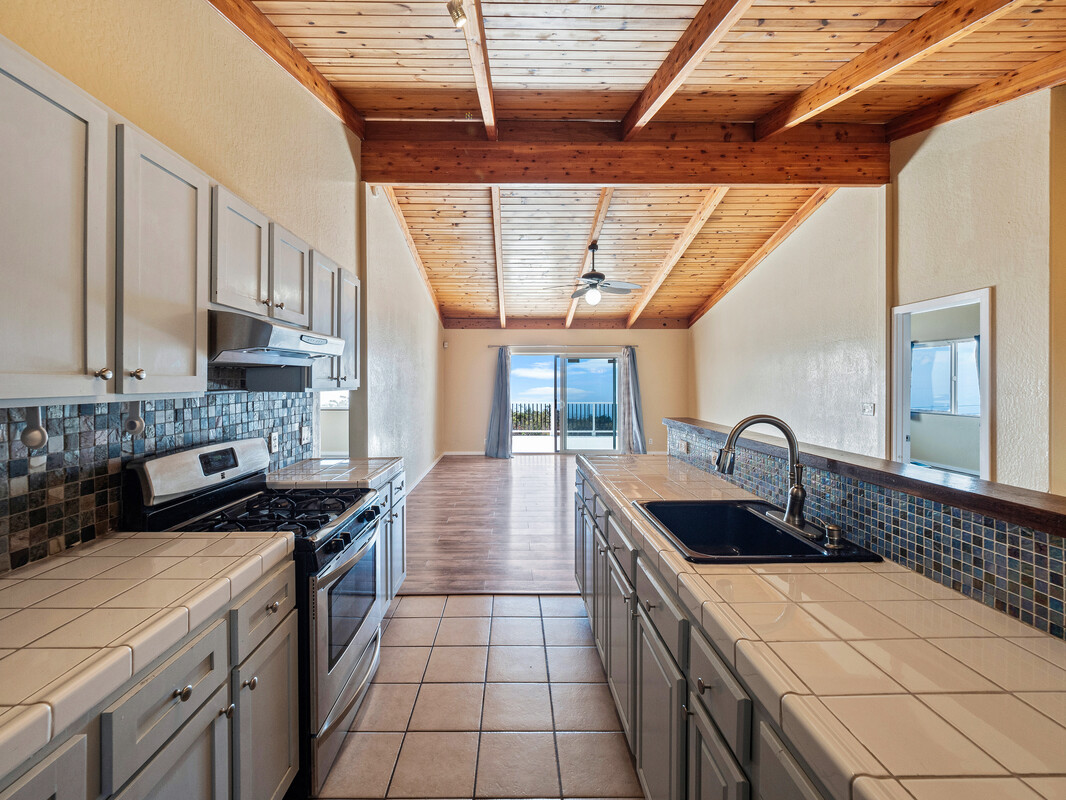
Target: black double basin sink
<point x="743" y="532"/>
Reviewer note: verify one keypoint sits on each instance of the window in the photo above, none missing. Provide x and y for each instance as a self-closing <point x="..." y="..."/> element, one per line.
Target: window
<point x="334" y="401"/>
<point x="945" y="377"/>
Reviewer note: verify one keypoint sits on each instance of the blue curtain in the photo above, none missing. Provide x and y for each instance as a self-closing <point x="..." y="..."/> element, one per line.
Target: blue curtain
<point x="498" y="440"/>
<point x="633" y="408"/>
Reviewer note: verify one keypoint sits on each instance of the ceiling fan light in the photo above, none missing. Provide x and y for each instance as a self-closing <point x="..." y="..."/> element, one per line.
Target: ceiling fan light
<point x="593" y="296"/>
<point x="455" y="10"/>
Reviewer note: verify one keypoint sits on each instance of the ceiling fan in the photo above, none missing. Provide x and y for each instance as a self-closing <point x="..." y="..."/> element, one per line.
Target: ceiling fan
<point x="596" y="282"/>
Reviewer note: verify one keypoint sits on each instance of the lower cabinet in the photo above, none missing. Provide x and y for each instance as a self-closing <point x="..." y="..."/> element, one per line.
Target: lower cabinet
<point x="598" y="619"/>
<point x="397" y="539"/>
<point x="579" y="543"/>
<point x="588" y="551"/>
<point x="61" y="776"/>
<point x="618" y="621"/>
<point x="266" y="750"/>
<point x="713" y="774"/>
<point x="660" y="694"/>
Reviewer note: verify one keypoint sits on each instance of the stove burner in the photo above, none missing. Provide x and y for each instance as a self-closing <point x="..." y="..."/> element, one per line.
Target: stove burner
<point x="302" y="511"/>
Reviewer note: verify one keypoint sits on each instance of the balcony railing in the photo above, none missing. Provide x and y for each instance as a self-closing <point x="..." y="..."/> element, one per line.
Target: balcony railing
<point x="586" y="419"/>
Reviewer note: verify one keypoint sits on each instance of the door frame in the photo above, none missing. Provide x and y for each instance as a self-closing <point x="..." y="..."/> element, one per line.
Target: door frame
<point x="901" y="379"/>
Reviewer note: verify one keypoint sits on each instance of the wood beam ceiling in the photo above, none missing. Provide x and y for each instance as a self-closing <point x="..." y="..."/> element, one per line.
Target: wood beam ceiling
<point x="559" y="323"/>
<point x="391" y="196"/>
<point x="670" y="164"/>
<point x="706" y="30"/>
<point x="692" y="229"/>
<point x="813" y="204"/>
<point x="594" y="233"/>
<point x="934" y="30"/>
<point x="254" y="24"/>
<point x="1042" y="74"/>
<point x="497" y="235"/>
<point x="476" y="46"/>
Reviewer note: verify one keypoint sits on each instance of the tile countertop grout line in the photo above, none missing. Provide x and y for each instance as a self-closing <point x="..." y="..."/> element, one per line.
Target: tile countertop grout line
<point x="604" y="470"/>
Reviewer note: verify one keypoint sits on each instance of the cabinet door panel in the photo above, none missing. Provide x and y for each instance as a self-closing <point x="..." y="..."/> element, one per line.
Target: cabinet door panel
<point x="398" y="546"/>
<point x="240" y="276"/>
<point x="598" y="621"/>
<point x="660" y="693"/>
<point x="579" y="544"/>
<point x="325" y="305"/>
<point x="53" y="224"/>
<point x="290" y="277"/>
<point x="61" y="776"/>
<point x="348" y="322"/>
<point x="713" y="774"/>
<point x="619" y="624"/>
<point x="266" y="752"/>
<point x="163" y="268"/>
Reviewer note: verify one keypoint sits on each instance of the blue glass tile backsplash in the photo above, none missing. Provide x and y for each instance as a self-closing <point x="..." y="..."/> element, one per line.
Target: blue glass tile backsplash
<point x="1012" y="568"/>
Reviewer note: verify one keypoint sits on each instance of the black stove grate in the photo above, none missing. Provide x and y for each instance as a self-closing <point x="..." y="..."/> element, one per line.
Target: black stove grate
<point x="302" y="511"/>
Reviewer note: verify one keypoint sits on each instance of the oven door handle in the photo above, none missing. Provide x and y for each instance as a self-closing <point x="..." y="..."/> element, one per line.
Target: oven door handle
<point x="322" y="580"/>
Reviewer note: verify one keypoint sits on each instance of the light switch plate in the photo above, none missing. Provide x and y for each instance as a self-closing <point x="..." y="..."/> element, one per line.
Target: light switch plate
<point x="868" y="409"/>
<point x="305" y="434"/>
<point x="275" y="442"/>
<point x="684" y="447"/>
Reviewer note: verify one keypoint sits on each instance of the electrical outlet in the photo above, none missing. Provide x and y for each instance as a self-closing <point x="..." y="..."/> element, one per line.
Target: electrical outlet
<point x="305" y="434"/>
<point x="650" y="441"/>
<point x="868" y="409"/>
<point x="684" y="447"/>
<point x="275" y="442"/>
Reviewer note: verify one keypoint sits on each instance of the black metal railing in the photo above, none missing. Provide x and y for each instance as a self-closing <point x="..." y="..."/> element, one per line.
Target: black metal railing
<point x="541" y="419"/>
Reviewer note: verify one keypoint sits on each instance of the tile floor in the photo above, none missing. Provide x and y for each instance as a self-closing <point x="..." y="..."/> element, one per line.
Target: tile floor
<point x="486" y="697"/>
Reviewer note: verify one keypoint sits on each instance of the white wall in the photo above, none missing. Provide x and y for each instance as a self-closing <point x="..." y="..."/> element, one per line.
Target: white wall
<point x="803" y="336"/>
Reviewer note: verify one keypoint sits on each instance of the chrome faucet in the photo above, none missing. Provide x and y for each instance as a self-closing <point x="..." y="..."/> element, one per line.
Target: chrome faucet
<point x="797" y="495"/>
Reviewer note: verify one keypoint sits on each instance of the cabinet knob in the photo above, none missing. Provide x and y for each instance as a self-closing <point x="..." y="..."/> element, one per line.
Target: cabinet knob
<point x="273" y="607"/>
<point x="701" y="687"/>
<point x="685" y="710"/>
<point x="139" y="374"/>
<point x="267" y="303"/>
<point x="343" y="377"/>
<point x="251" y="683"/>
<point x="649" y="605"/>
<point x="601" y="550"/>
<point x="227" y="712"/>
<point x="104" y="374"/>
<point x="280" y="305"/>
<point x="182" y="694"/>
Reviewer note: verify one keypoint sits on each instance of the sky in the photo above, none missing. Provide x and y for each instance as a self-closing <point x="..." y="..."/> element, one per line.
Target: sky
<point x="589" y="381"/>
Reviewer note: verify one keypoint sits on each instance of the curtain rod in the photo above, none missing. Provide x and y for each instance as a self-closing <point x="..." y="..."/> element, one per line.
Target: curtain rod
<point x="566" y="346"/>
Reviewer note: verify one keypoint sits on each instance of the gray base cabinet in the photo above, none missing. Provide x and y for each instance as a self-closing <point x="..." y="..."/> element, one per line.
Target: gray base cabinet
<point x="618" y="623"/>
<point x="661" y="689"/>
<point x="61" y="776"/>
<point x="397" y="538"/>
<point x="712" y="772"/>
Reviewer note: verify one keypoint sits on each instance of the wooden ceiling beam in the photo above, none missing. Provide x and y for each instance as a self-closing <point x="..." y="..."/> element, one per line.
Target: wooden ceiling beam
<point x="668" y="164"/>
<point x="802" y="213"/>
<point x="254" y="24"/>
<point x="1042" y="74"/>
<point x="476" y="47"/>
<point x="559" y="323"/>
<point x="405" y="228"/>
<point x="594" y="234"/>
<point x="707" y="28"/>
<point x="497" y="235"/>
<point x="691" y="231"/>
<point x="937" y="28"/>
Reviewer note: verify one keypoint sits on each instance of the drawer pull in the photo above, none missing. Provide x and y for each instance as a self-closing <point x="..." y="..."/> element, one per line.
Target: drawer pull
<point x="273" y="607"/>
<point x="251" y="683"/>
<point x="227" y="712"/>
<point x="280" y="305"/>
<point x="685" y="710"/>
<point x="601" y="550"/>
<point x="701" y="687"/>
<point x="182" y="694"/>
<point x="649" y="605"/>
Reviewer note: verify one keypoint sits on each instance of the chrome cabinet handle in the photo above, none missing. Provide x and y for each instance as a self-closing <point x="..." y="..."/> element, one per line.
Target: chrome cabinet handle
<point x="139" y="374"/>
<point x="104" y="374"/>
<point x="273" y="607"/>
<point x="280" y="305"/>
<point x="701" y="687"/>
<point x="267" y="303"/>
<point x="251" y="683"/>
<point x="649" y="605"/>
<point x="227" y="712"/>
<point x="343" y="378"/>
<point x="685" y="710"/>
<point x="182" y="694"/>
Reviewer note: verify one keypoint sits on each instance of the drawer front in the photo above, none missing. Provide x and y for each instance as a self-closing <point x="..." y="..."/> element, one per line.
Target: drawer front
<point x="621" y="545"/>
<point x="600" y="512"/>
<point x="777" y="774"/>
<point x="667" y="617"/>
<point x="713" y="774"/>
<point x="399" y="487"/>
<point x="253" y="620"/>
<point x="61" y="776"/>
<point x="722" y="696"/>
<point x="588" y="493"/>
<point x="137" y="725"/>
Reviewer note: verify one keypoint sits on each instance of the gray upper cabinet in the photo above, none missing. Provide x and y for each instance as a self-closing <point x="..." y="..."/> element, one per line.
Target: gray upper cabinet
<point x="290" y="277"/>
<point x="348" y="329"/>
<point x="163" y="264"/>
<point x="240" y="249"/>
<point x="53" y="234"/>
<point x="325" y="308"/>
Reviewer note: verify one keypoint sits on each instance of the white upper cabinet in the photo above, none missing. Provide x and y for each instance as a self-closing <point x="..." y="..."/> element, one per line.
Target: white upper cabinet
<point x="53" y="234"/>
<point x="325" y="307"/>
<point x="290" y="277"/>
<point x="163" y="268"/>
<point x="240" y="273"/>
<point x="348" y="320"/>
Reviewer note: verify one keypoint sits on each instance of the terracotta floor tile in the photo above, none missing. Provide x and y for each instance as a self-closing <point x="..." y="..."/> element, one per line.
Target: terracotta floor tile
<point x="596" y="765"/>
<point x="386" y="707"/>
<point x="439" y="765"/>
<point x="584" y="707"/>
<point x="567" y="631"/>
<point x="448" y="707"/>
<point x="457" y="665"/>
<point x="518" y="664"/>
<point x="517" y="707"/>
<point x="468" y="605"/>
<point x="410" y="632"/>
<point x="517" y="765"/>
<point x="574" y="665"/>
<point x="515" y="606"/>
<point x="517" y="631"/>
<point x="562" y="606"/>
<point x="402" y="664"/>
<point x="363" y="766"/>
<point x="463" y="632"/>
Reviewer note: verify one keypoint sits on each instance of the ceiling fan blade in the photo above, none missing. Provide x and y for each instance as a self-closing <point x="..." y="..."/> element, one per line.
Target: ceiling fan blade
<point x="619" y="285"/>
<point x="606" y="287"/>
<point x="580" y="292"/>
<point x="590" y="281"/>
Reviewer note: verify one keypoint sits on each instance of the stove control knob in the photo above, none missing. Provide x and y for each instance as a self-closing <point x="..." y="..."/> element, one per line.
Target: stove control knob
<point x="333" y="546"/>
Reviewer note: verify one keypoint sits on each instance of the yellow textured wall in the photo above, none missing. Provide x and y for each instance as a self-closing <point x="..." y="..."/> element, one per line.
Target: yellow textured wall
<point x="181" y="72"/>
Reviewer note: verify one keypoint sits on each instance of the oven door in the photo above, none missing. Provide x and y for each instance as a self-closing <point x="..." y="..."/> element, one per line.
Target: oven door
<point x="348" y="601"/>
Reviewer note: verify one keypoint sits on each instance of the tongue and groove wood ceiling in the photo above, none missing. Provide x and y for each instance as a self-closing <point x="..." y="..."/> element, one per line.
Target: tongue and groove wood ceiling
<point x="687" y="138"/>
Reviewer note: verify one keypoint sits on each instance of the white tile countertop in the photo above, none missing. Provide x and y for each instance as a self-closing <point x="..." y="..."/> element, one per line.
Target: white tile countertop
<point x="76" y="627"/>
<point x="888" y="684"/>
<point x="314" y="473"/>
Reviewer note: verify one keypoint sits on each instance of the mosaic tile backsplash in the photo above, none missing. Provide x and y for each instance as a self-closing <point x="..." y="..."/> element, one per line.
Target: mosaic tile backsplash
<point x="70" y="491"/>
<point x="1012" y="568"/>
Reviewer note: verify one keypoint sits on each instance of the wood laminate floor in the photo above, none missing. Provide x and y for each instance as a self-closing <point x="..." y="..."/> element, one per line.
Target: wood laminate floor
<point x="479" y="525"/>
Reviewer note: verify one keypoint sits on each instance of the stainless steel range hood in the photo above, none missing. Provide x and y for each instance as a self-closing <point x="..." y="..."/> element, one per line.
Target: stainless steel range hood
<point x="240" y="340"/>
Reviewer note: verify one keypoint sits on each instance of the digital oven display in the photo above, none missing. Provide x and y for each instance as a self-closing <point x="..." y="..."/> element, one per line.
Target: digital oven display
<point x="218" y="461"/>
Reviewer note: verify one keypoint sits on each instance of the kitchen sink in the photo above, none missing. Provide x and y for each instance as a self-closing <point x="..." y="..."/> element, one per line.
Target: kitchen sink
<point x="731" y="531"/>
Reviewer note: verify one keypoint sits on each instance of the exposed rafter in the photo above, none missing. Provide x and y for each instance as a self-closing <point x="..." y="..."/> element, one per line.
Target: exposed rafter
<point x="474" y="31"/>
<point x="692" y="229"/>
<point x="594" y="234"/>
<point x="391" y="195"/>
<point x="254" y="24"/>
<point x="707" y="28"/>
<point x="497" y="235"/>
<point x="802" y="213"/>
<point x="558" y="323"/>
<point x="1042" y="74"/>
<point x="937" y="28"/>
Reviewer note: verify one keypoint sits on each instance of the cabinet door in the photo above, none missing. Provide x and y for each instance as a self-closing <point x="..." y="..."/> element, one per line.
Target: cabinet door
<point x="598" y="620"/>
<point x="290" y="277"/>
<point x="325" y="306"/>
<point x="713" y="774"/>
<point x="619" y="624"/>
<point x="588" y="548"/>
<point x="579" y="544"/>
<point x="53" y="234"/>
<point x="348" y="320"/>
<point x="660" y="693"/>
<point x="266" y="747"/>
<point x="195" y="764"/>
<point x="240" y="275"/>
<point x="61" y="776"/>
<point x="164" y="247"/>
<point x="398" y="546"/>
